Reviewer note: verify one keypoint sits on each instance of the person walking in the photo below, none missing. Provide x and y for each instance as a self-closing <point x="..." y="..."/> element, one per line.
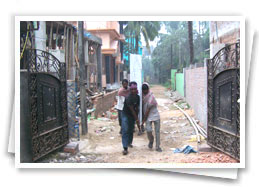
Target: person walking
<point x="129" y="116"/>
<point x="151" y="115"/>
<point x="122" y="94"/>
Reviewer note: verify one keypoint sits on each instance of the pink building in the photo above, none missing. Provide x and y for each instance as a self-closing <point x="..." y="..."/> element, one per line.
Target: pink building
<point x="112" y="63"/>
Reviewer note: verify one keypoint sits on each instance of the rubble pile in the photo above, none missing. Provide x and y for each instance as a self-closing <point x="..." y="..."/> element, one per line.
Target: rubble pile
<point x="177" y="98"/>
<point x="111" y="114"/>
<point x="63" y="157"/>
<point x="216" y="157"/>
<point x="89" y="103"/>
<point x="103" y="129"/>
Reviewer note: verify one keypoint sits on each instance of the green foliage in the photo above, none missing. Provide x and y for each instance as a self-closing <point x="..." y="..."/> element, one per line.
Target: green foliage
<point x="148" y="29"/>
<point x="133" y="33"/>
<point x="172" y="51"/>
<point x="167" y="84"/>
<point x="148" y="68"/>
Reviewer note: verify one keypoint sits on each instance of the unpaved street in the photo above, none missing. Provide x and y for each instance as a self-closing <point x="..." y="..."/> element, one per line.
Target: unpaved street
<point x="104" y="139"/>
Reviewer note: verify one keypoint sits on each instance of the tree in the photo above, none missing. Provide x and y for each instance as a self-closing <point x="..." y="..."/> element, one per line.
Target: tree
<point x="190" y="34"/>
<point x="148" y="29"/>
<point x="173" y="51"/>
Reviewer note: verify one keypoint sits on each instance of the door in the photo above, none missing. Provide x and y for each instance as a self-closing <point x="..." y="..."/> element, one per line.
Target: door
<point x="107" y="69"/>
<point x="223" y="101"/>
<point x="47" y="95"/>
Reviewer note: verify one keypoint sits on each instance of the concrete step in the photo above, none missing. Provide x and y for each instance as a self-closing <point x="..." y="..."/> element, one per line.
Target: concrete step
<point x="206" y="148"/>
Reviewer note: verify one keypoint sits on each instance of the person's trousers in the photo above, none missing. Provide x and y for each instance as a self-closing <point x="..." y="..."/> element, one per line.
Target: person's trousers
<point x="127" y="123"/>
<point x="157" y="131"/>
<point x="119" y="116"/>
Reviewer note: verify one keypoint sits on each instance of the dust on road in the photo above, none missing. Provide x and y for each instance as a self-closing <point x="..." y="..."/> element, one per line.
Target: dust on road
<point x="103" y="139"/>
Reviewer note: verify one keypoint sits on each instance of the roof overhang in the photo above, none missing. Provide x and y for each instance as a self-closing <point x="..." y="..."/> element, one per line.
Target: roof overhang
<point x="109" y="51"/>
<point x="89" y="36"/>
<point x="114" y="34"/>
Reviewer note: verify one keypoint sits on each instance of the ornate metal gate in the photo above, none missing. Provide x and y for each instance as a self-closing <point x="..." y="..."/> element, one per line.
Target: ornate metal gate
<point x="223" y="100"/>
<point x="47" y="102"/>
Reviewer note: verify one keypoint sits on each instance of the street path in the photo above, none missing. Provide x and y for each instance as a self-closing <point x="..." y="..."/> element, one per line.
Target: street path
<point x="103" y="144"/>
<point x="104" y="140"/>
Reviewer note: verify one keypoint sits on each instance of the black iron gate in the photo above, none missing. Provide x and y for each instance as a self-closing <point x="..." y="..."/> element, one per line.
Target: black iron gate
<point x="223" y="100"/>
<point x="47" y="102"/>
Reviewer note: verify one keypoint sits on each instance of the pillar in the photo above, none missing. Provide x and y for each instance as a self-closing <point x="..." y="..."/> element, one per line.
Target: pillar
<point x="99" y="67"/>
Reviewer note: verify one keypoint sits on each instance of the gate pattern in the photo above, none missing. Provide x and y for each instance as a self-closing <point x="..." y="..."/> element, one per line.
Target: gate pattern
<point x="223" y="100"/>
<point x="47" y="102"/>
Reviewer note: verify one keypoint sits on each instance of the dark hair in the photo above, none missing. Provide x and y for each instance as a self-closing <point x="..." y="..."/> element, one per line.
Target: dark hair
<point x="132" y="82"/>
<point x="145" y="87"/>
<point x="125" y="80"/>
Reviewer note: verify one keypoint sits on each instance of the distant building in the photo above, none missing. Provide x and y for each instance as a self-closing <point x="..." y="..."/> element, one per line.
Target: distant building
<point x="222" y="33"/>
<point x="109" y="32"/>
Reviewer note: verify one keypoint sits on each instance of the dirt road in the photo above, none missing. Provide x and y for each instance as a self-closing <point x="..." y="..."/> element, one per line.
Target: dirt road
<point x="103" y="141"/>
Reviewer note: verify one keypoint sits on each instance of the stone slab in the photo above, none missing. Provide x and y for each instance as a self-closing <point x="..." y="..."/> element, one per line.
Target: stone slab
<point x="72" y="147"/>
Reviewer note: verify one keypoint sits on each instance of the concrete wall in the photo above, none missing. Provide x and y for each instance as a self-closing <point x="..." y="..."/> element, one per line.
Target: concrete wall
<point x="96" y="24"/>
<point x="103" y="25"/>
<point x="40" y="36"/>
<point x="221" y="33"/>
<point x="25" y="130"/>
<point x="196" y="91"/>
<point x="173" y="71"/>
<point x="107" y="41"/>
<point x="104" y="103"/>
<point x="179" y="77"/>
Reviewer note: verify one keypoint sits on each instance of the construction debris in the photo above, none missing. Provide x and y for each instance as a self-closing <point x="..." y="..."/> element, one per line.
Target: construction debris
<point x="176" y="97"/>
<point x="105" y="129"/>
<point x="72" y="147"/>
<point x="186" y="150"/>
<point x="189" y="118"/>
<point x="194" y="138"/>
<point x="89" y="103"/>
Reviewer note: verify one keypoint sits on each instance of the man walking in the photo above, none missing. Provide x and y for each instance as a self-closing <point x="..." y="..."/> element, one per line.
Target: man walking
<point x="151" y="115"/>
<point x="129" y="117"/>
<point x="122" y="94"/>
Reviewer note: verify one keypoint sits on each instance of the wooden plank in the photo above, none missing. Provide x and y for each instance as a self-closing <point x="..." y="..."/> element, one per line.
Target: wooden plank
<point x="90" y="64"/>
<point x="81" y="52"/>
<point x="95" y="62"/>
<point x="87" y="62"/>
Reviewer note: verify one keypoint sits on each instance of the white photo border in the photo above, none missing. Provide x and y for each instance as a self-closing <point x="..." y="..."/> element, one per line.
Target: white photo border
<point x="241" y="164"/>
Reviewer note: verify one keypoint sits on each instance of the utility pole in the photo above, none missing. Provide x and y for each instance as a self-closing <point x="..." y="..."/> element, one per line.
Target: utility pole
<point x="99" y="67"/>
<point x="82" y="77"/>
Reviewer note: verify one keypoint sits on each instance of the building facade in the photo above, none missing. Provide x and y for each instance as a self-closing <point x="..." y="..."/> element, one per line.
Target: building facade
<point x="222" y="33"/>
<point x="112" y="62"/>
